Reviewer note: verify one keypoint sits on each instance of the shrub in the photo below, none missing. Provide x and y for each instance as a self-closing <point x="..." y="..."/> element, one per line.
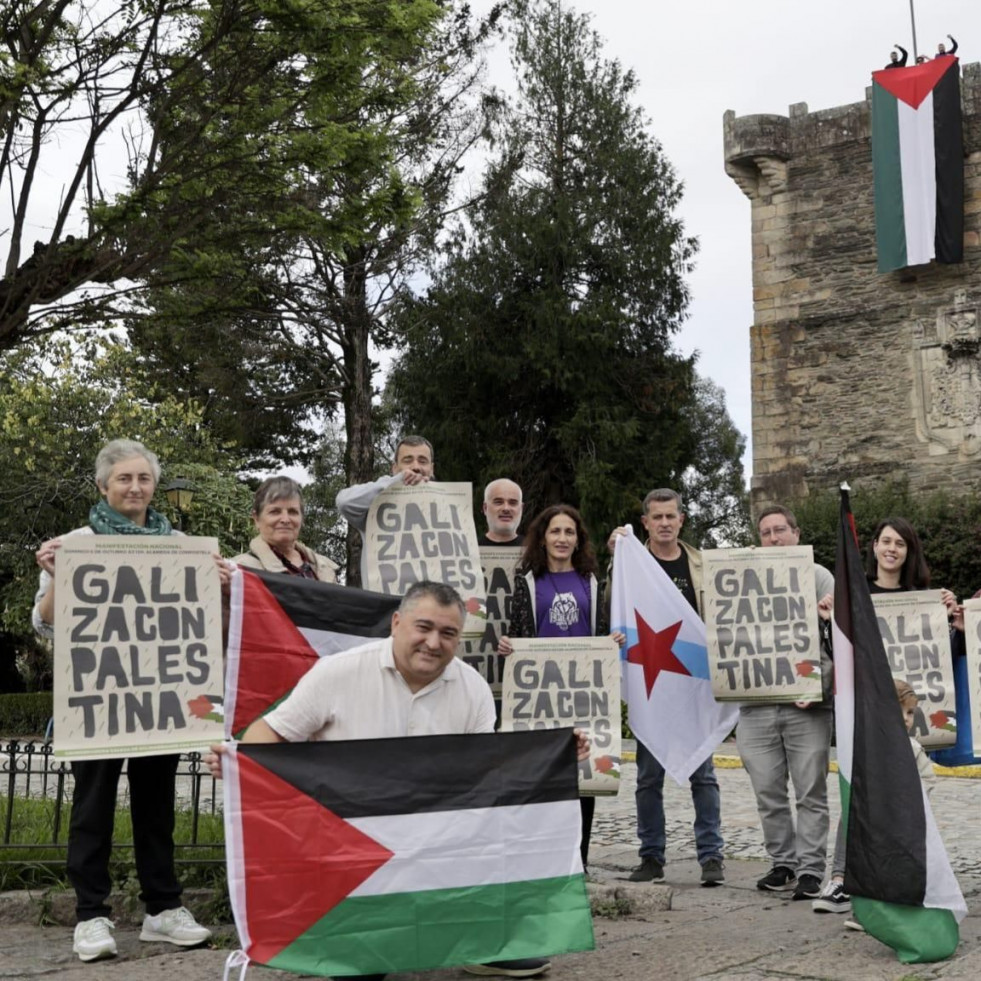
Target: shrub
<point x="25" y="715"/>
<point x="949" y="525"/>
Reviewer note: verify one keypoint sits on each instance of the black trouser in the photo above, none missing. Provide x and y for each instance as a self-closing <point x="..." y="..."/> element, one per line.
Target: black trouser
<point x="587" y="806"/>
<point x="151" y="795"/>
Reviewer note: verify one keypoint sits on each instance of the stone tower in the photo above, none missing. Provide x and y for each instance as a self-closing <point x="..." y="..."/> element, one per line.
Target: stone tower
<point x="856" y="375"/>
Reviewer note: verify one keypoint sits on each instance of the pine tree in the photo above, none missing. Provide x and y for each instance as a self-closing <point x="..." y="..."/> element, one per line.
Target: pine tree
<point x="542" y="349"/>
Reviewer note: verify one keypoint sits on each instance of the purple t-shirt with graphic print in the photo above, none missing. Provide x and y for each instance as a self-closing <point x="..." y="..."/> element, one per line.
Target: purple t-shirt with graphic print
<point x="562" y="605"/>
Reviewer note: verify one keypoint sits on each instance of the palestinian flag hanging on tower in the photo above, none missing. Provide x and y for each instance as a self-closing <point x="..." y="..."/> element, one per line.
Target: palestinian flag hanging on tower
<point x="918" y="164"/>
<point x="896" y="868"/>
<point x="385" y="855"/>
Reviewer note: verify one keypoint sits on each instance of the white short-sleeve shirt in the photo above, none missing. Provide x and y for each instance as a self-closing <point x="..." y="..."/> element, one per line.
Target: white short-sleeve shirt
<point x="359" y="694"/>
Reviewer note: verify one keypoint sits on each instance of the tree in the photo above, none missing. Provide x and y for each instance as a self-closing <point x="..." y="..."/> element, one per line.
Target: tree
<point x="542" y="348"/>
<point x="210" y="108"/>
<point x="305" y="335"/>
<point x="712" y="486"/>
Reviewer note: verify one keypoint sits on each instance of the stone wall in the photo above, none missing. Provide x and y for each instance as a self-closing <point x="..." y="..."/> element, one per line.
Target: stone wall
<point x="856" y="375"/>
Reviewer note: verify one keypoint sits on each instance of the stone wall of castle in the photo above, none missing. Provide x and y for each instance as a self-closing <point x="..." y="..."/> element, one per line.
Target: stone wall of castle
<point x="857" y="375"/>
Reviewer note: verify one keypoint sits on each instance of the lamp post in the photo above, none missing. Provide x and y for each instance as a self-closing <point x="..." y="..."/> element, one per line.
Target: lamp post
<point x="180" y="493"/>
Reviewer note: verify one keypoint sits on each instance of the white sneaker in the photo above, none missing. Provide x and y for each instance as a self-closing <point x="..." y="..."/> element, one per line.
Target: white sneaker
<point x="174" y="926"/>
<point x="93" y="939"/>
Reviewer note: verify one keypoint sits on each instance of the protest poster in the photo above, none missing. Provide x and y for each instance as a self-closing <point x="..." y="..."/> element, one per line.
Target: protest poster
<point x="426" y="532"/>
<point x="916" y="636"/>
<point x="972" y="641"/>
<point x="137" y="646"/>
<point x="554" y="682"/>
<point x="498" y="563"/>
<point x="761" y="624"/>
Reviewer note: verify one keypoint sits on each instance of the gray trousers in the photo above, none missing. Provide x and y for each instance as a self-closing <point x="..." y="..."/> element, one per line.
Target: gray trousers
<point x="781" y="742"/>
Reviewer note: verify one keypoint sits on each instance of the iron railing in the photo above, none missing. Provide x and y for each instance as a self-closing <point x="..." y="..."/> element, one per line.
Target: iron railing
<point x="31" y="773"/>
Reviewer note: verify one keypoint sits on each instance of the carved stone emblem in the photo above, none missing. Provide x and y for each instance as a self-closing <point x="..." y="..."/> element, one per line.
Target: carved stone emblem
<point x="947" y="365"/>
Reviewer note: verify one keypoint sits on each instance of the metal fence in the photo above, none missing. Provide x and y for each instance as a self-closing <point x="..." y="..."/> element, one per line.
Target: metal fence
<point x="31" y="774"/>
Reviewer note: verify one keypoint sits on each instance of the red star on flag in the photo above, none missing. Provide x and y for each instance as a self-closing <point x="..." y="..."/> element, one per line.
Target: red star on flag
<point x="653" y="651"/>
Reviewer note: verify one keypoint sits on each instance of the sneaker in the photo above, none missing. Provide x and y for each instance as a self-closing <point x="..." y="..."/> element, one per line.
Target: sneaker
<point x="808" y="887"/>
<point x="713" y="872"/>
<point x="833" y="899"/>
<point x="175" y="926"/>
<point x="649" y="870"/>
<point x="93" y="939"/>
<point x="852" y="925"/>
<point x="528" y="967"/>
<point x="778" y="879"/>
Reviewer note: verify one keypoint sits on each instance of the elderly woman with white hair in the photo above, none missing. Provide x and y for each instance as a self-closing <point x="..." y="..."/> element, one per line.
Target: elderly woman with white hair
<point x="126" y="474"/>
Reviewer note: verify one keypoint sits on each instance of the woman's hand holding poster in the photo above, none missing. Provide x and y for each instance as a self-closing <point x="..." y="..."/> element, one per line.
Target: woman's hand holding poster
<point x="137" y="646"/>
<point x="916" y="637"/>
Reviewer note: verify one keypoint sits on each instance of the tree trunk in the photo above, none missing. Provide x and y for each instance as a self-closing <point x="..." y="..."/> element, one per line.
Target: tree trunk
<point x="359" y="455"/>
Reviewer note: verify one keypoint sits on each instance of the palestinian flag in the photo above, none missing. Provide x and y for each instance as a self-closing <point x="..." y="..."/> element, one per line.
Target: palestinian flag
<point x="896" y="869"/>
<point x="279" y="626"/>
<point x="918" y="164"/>
<point x="405" y="854"/>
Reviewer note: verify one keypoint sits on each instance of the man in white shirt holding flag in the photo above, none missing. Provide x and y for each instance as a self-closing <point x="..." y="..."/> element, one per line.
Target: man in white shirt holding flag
<point x="665" y="682"/>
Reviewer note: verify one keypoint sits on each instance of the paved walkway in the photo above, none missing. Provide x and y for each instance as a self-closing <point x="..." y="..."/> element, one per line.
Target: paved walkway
<point x="687" y="932"/>
<point x="956" y="804"/>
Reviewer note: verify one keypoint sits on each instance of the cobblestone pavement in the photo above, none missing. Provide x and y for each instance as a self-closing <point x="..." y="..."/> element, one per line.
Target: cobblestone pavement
<point x="732" y="933"/>
<point x="956" y="806"/>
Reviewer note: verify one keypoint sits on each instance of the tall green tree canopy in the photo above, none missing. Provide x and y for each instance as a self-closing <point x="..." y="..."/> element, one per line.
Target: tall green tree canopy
<point x="194" y="122"/>
<point x="542" y="348"/>
<point x="285" y="329"/>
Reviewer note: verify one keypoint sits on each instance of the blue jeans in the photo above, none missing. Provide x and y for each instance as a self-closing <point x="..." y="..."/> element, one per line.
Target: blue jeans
<point x="650" y="808"/>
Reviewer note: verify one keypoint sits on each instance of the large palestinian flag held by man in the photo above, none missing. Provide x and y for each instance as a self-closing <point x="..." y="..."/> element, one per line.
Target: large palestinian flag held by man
<point x="918" y="163"/>
<point x="405" y="854"/>
<point x="279" y="626"/>
<point x="896" y="869"/>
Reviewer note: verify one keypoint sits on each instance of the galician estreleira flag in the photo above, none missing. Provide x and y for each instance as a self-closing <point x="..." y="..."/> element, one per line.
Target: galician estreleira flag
<point x="664" y="677"/>
<point x="918" y="163"/>
<point x="386" y="855"/>
<point x="279" y="626"/>
<point x="896" y="868"/>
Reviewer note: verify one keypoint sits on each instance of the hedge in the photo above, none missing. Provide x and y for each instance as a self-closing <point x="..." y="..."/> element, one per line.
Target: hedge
<point x="25" y="715"/>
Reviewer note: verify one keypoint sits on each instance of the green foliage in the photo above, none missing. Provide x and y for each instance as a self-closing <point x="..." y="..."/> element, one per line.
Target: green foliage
<point x="541" y="351"/>
<point x="233" y="109"/>
<point x="58" y="405"/>
<point x="32" y="861"/>
<point x="949" y="526"/>
<point x="25" y="715"/>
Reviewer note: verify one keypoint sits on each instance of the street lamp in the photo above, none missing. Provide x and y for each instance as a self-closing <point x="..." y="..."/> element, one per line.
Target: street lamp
<point x="180" y="493"/>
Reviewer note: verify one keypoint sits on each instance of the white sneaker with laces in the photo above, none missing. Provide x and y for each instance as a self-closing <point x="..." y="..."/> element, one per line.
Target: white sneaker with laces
<point x="93" y="939"/>
<point x="833" y="899"/>
<point x="174" y="926"/>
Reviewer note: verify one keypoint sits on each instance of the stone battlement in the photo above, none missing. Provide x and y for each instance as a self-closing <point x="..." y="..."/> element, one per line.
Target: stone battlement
<point x="857" y="375"/>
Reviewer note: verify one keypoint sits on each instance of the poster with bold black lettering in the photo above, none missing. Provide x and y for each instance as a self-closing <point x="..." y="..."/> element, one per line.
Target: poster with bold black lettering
<point x="761" y="624"/>
<point x="426" y="532"/>
<point x="916" y="638"/>
<point x="137" y="646"/>
<point x="480" y="652"/>
<point x="554" y="682"/>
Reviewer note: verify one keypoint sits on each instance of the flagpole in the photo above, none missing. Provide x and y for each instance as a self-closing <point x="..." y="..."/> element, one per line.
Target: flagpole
<point x="912" y="17"/>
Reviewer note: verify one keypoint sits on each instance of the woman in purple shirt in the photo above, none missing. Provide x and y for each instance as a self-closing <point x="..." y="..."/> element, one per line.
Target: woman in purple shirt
<point x="556" y="595"/>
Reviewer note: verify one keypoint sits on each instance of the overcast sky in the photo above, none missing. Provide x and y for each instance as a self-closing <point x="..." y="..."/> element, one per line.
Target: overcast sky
<point x="695" y="60"/>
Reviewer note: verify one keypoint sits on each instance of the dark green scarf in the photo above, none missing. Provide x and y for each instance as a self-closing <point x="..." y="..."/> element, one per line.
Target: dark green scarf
<point x="105" y="521"/>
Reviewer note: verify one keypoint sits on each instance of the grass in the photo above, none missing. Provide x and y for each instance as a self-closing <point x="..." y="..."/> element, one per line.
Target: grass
<point x="32" y="860"/>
